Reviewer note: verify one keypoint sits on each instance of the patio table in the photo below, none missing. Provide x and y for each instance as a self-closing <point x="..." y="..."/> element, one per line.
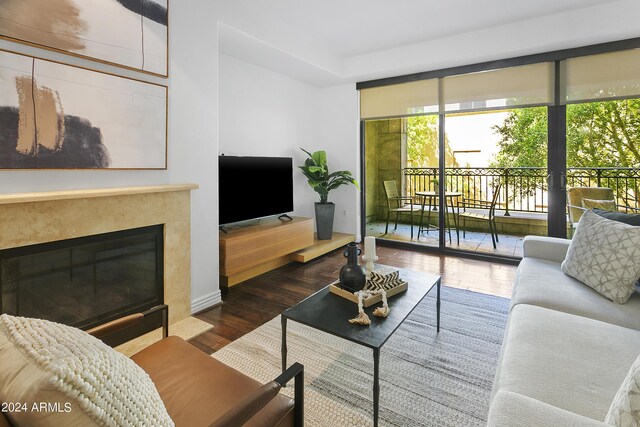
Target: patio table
<point x="449" y="197"/>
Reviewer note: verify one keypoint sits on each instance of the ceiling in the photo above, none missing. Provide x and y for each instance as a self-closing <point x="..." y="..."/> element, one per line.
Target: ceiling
<point x="335" y="41"/>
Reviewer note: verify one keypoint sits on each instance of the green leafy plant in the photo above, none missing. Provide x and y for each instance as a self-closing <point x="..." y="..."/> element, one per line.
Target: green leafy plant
<point x="317" y="172"/>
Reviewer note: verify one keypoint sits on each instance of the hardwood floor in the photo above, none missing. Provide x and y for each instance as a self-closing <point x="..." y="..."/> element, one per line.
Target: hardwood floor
<point x="248" y="305"/>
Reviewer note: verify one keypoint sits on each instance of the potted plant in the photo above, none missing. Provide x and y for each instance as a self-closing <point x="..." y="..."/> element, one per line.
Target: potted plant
<point x="317" y="172"/>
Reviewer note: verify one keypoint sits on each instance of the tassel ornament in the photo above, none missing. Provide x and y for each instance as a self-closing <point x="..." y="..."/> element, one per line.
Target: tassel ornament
<point x="362" y="318"/>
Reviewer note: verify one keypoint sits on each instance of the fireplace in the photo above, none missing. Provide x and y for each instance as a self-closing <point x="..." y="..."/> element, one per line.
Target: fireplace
<point x="51" y="216"/>
<point x="85" y="281"/>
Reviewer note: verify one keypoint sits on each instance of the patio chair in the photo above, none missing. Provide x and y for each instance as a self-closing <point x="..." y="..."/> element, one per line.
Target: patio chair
<point x="576" y="207"/>
<point x="398" y="204"/>
<point x="489" y="217"/>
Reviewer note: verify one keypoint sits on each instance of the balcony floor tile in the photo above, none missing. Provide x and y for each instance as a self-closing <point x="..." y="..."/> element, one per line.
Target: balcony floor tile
<point x="474" y="241"/>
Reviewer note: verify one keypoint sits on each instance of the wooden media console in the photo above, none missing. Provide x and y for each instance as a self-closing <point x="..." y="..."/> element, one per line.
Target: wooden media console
<point x="252" y="250"/>
<point x="255" y="249"/>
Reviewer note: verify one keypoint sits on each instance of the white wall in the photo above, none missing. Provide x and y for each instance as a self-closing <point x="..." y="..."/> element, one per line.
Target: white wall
<point x="264" y="113"/>
<point x="193" y="135"/>
<point x="339" y="130"/>
<point x="192" y="148"/>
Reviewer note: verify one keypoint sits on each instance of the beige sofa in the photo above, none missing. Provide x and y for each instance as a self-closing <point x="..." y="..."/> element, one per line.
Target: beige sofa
<point x="566" y="348"/>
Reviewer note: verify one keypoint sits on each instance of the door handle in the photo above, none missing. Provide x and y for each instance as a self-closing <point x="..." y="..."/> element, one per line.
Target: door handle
<point x="563" y="181"/>
<point x="551" y="181"/>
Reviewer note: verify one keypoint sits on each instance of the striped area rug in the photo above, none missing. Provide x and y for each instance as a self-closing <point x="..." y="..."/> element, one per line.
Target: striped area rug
<point x="425" y="379"/>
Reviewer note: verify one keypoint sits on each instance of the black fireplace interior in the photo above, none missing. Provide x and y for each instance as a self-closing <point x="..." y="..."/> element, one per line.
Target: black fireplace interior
<point x="85" y="281"/>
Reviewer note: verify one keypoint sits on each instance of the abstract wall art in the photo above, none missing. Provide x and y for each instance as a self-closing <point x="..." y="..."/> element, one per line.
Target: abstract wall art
<point x="129" y="33"/>
<point x="55" y="116"/>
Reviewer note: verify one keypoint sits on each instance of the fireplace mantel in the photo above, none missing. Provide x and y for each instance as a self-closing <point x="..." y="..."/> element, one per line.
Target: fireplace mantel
<point x="33" y="218"/>
<point x="44" y="196"/>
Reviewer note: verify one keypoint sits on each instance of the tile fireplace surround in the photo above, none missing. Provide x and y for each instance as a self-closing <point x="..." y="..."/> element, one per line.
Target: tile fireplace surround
<point x="32" y="218"/>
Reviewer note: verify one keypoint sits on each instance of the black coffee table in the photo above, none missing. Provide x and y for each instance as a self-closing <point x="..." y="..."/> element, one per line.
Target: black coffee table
<point x="331" y="313"/>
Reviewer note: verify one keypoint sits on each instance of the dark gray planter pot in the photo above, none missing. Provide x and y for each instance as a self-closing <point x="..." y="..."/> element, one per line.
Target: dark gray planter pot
<point x="324" y="220"/>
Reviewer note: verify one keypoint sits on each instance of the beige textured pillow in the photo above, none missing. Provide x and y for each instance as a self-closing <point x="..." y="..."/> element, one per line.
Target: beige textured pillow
<point x="605" y="255"/>
<point x="605" y="205"/>
<point x="625" y="408"/>
<point x="60" y="375"/>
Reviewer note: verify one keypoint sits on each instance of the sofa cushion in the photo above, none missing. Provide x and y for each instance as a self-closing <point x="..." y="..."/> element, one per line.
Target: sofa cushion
<point x="543" y="247"/>
<point x="605" y="255"/>
<point x="189" y="382"/>
<point x="631" y="219"/>
<point x="540" y="282"/>
<point x="86" y="382"/>
<point x="625" y="408"/>
<point x="565" y="360"/>
<point x="515" y="410"/>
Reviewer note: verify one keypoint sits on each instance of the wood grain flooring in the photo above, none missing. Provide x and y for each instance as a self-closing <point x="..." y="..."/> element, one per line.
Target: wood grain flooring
<point x="248" y="305"/>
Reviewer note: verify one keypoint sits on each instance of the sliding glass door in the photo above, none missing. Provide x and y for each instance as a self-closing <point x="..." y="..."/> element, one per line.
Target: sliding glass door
<point x="602" y="101"/>
<point x="474" y="159"/>
<point x="401" y="162"/>
<point x="496" y="179"/>
<point x="401" y="156"/>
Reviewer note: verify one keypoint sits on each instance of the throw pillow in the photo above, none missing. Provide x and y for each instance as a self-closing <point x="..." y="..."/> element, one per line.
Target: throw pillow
<point x="605" y="205"/>
<point x="605" y="255"/>
<point x="631" y="219"/>
<point x="625" y="408"/>
<point x="63" y="376"/>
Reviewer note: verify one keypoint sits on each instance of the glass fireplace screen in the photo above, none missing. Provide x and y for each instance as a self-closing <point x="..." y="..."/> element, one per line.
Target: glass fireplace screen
<point x="84" y="281"/>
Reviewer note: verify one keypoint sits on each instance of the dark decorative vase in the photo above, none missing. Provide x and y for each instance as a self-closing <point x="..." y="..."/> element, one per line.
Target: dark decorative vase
<point x="352" y="276"/>
<point x="324" y="220"/>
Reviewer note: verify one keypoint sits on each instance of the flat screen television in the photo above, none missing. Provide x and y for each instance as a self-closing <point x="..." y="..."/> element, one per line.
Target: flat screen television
<point x="254" y="187"/>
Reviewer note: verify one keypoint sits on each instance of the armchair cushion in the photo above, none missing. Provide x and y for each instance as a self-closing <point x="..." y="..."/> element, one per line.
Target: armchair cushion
<point x="605" y="255"/>
<point x="92" y="384"/>
<point x="198" y="389"/>
<point x="605" y="205"/>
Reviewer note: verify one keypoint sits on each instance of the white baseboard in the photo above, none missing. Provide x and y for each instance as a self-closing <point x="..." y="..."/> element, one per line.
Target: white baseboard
<point x="206" y="301"/>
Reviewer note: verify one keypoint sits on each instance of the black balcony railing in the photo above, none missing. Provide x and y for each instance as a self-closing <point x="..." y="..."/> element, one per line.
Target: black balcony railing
<point x="523" y="189"/>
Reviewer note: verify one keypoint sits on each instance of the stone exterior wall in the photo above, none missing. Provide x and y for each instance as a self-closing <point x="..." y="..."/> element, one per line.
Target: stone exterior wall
<point x="385" y="156"/>
<point x="371" y="170"/>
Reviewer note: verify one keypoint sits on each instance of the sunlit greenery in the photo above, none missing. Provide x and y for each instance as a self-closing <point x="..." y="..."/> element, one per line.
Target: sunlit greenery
<point x="599" y="134"/>
<point x="422" y="143"/>
<point x="523" y="138"/>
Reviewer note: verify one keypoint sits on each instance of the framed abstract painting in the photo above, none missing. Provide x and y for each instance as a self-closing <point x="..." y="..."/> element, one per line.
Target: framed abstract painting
<point x="128" y="33"/>
<point x="56" y="116"/>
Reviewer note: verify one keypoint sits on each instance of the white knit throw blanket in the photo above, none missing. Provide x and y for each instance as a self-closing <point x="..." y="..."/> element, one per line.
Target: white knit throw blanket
<point x="107" y="385"/>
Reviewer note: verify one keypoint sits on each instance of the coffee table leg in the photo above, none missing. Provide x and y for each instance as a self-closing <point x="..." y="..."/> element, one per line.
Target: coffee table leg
<point x="284" y="343"/>
<point x="376" y="385"/>
<point x="438" y="306"/>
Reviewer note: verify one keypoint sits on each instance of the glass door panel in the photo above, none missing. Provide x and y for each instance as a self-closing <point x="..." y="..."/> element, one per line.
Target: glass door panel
<point x="401" y="161"/>
<point x="603" y="157"/>
<point x="421" y="175"/>
<point x="495" y="179"/>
